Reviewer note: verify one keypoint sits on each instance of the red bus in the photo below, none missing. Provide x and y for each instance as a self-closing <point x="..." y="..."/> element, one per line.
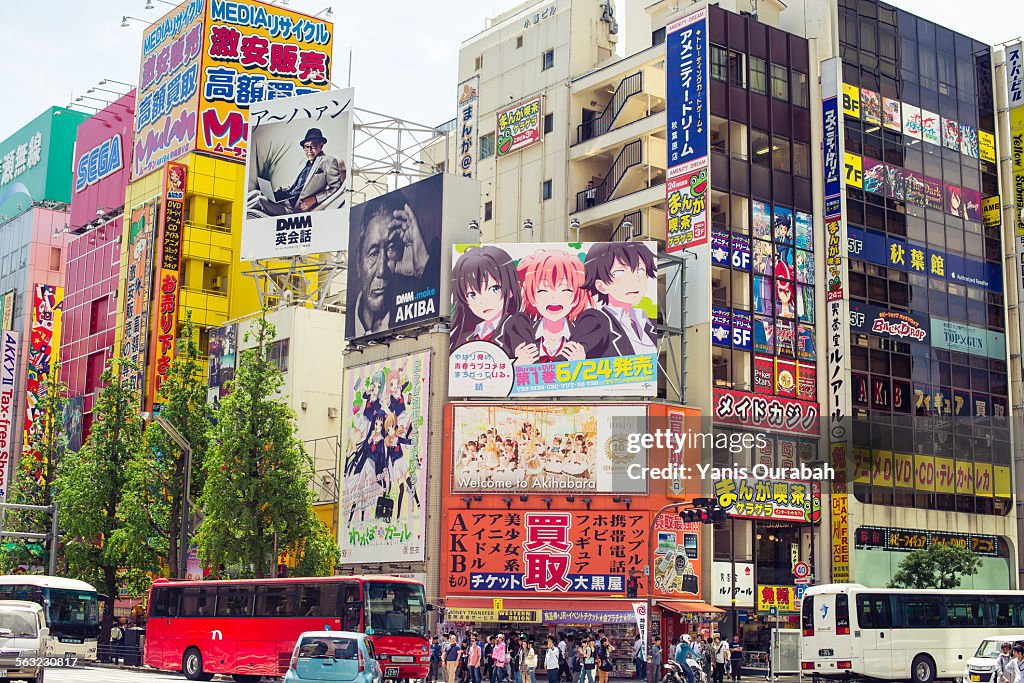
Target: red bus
<point x="248" y="628"/>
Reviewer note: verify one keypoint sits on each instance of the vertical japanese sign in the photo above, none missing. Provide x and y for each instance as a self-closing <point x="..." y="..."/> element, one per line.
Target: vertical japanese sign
<point x="44" y="346"/>
<point x="165" y="318"/>
<point x="8" y="375"/>
<point x="255" y="52"/>
<point x="386" y="446"/>
<point x="138" y="281"/>
<point x="732" y="584"/>
<point x="640" y="610"/>
<point x="7" y="318"/>
<point x="169" y="76"/>
<point x="689" y="173"/>
<point x="465" y="122"/>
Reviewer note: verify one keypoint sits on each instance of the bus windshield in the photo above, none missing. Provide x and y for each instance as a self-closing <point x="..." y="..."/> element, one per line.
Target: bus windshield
<point x="395" y="609"/>
<point x="71" y="607"/>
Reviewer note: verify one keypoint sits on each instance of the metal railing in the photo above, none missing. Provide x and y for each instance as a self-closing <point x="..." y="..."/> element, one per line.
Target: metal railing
<point x="601" y="124"/>
<point x="326" y="482"/>
<point x="630" y="155"/>
<point x="636" y="218"/>
<point x="208" y="226"/>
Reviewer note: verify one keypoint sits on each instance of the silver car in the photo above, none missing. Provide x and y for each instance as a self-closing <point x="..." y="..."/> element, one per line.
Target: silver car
<point x="23" y="636"/>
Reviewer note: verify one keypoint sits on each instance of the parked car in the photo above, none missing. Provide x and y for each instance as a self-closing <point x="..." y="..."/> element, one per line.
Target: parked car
<point x="23" y="635"/>
<point x="333" y="656"/>
<point x="980" y="667"/>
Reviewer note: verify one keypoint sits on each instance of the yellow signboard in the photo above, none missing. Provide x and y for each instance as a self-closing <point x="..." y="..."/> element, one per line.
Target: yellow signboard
<point x="498" y="604"/>
<point x="991" y="214"/>
<point x="840" y="539"/>
<point x="965" y="477"/>
<point x="854" y="170"/>
<point x="903" y="470"/>
<point x="983" y="479"/>
<point x="987" y="146"/>
<point x="783" y="598"/>
<point x="1017" y="145"/>
<point x="861" y="465"/>
<point x="490" y="616"/>
<point x="945" y="475"/>
<point x="851" y="100"/>
<point x="1001" y="481"/>
<point x="924" y="473"/>
<point x="881" y="469"/>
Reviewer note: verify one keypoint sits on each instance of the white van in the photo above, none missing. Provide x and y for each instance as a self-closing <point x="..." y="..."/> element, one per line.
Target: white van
<point x="981" y="666"/>
<point x="23" y="635"/>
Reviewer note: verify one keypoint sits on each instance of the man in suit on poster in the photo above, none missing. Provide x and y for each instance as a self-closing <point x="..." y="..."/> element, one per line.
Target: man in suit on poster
<point x="320" y="178"/>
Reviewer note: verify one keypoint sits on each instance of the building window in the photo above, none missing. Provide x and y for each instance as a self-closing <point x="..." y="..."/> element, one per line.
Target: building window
<point x="277" y="353"/>
<point x="545" y="190"/>
<point x="486" y="145"/>
<point x="758" y="76"/>
<point x="55" y="258"/>
<point x="519" y="42"/>
<point x="737" y="74"/>
<point x="780" y="82"/>
<point x="760" y="147"/>
<point x="780" y="154"/>
<point x="801" y="94"/>
<point x="548" y="61"/>
<point x="549" y="123"/>
<point x="801" y="159"/>
<point x="479" y="63"/>
<point x="488" y="210"/>
<point x="97" y="315"/>
<point x="658" y="37"/>
<point x="719" y="63"/>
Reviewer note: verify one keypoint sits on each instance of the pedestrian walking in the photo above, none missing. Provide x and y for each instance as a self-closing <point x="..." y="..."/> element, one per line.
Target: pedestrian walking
<point x="529" y="663"/>
<point x="435" y="659"/>
<point x="736" y="657"/>
<point x="551" y="661"/>
<point x="604" y="653"/>
<point x="638" y="658"/>
<point x="721" y="656"/>
<point x="499" y="659"/>
<point x="515" y="655"/>
<point x="656" y="659"/>
<point x="473" y="661"/>
<point x="452" y="655"/>
<point x="588" y="661"/>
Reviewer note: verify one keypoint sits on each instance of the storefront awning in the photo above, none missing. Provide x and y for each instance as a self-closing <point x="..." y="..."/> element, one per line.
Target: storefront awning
<point x="689" y="607"/>
<point x="538" y="610"/>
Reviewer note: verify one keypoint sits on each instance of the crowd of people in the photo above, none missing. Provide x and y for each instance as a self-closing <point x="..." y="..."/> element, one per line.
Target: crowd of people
<point x="526" y="454"/>
<point x="562" y="658"/>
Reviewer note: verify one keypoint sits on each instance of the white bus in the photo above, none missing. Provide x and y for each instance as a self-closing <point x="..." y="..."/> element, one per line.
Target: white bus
<point x="72" y="611"/>
<point x="851" y="631"/>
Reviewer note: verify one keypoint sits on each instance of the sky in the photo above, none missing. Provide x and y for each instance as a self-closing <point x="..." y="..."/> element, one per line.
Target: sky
<point x="404" y="51"/>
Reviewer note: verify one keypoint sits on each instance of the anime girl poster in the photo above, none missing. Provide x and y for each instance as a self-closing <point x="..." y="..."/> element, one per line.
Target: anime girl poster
<point x="891" y="116"/>
<point x="951" y="134"/>
<point x="894" y="187"/>
<point x="782" y="225"/>
<point x="804" y="267"/>
<point x="523" y="311"/>
<point x="870" y="106"/>
<point x="764" y="335"/>
<point x="762" y="220"/>
<point x="762" y="257"/>
<point x="805" y="342"/>
<point x="384" y="438"/>
<point x="955" y="203"/>
<point x="930" y="124"/>
<point x="785" y="290"/>
<point x="969" y="140"/>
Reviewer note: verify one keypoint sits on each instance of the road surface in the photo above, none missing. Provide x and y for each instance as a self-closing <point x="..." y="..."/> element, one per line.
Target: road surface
<point x="95" y="674"/>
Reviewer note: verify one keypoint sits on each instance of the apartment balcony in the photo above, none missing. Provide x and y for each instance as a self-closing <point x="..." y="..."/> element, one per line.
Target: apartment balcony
<point x="210" y="243"/>
<point x="636" y="166"/>
<point x="209" y="307"/>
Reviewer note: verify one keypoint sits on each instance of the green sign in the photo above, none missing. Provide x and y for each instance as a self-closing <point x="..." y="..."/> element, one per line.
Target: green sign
<point x="953" y="336"/>
<point x="35" y="162"/>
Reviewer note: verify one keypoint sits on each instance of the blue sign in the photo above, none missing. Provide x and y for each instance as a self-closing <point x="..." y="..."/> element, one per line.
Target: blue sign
<point x="99" y="162"/>
<point x="687" y="88"/>
<point x="799" y="590"/>
<point x="833" y="164"/>
<point x="741" y="252"/>
<point x="720" y="326"/>
<point x="720" y="248"/>
<point x="741" y="330"/>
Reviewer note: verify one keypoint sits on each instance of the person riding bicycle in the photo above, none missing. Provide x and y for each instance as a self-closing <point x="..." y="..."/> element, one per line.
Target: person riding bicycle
<point x="683" y="652"/>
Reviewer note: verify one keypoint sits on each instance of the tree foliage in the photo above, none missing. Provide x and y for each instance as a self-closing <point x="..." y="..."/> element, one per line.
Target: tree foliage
<point x="155" y="484"/>
<point x="256" y="496"/>
<point x="90" y="486"/>
<point x="34" y="480"/>
<point x="938" y="566"/>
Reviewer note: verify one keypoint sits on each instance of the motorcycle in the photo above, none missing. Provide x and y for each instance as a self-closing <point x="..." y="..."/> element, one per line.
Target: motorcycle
<point x="674" y="672"/>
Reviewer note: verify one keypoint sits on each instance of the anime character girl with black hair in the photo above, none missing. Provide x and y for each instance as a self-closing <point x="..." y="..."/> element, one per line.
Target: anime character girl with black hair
<point x="487" y="296"/>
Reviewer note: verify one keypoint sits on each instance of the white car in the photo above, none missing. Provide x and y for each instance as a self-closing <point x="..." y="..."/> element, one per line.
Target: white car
<point x="981" y="666"/>
<point x="23" y="635"/>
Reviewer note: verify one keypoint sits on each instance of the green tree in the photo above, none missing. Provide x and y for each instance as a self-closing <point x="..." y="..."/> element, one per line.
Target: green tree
<point x="938" y="566"/>
<point x="256" y="496"/>
<point x="90" y="486"/>
<point x="155" y="489"/>
<point x="34" y="482"/>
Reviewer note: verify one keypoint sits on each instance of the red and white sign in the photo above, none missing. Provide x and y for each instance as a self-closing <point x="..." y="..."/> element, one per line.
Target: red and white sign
<point x="802" y="572"/>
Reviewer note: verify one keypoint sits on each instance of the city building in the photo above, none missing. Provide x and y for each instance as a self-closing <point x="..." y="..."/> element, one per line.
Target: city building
<point x="101" y="165"/>
<point x="36" y="188"/>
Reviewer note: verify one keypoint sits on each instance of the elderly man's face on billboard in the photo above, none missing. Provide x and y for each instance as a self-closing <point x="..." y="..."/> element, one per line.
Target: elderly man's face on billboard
<point x="373" y="258"/>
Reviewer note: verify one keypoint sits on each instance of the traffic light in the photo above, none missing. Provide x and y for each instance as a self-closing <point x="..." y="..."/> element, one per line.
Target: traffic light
<point x="632" y="587"/>
<point x="282" y="571"/>
<point x="705" y="511"/>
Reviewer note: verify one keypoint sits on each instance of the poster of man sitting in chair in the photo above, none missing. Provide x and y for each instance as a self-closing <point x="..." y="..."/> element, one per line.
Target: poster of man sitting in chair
<point x="297" y="176"/>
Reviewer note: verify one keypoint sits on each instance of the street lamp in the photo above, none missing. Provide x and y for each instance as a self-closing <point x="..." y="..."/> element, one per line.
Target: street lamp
<point x="125" y="18"/>
<point x="186" y="449"/>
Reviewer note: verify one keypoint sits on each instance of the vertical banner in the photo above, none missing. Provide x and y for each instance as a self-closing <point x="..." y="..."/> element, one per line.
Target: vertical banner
<point x="466" y="122"/>
<point x="689" y="173"/>
<point x="8" y="376"/>
<point x="165" y="304"/>
<point x="138" y="284"/>
<point x="382" y="518"/>
<point x="44" y="345"/>
<point x="1015" y="98"/>
<point x="640" y="611"/>
<point x="7" y="318"/>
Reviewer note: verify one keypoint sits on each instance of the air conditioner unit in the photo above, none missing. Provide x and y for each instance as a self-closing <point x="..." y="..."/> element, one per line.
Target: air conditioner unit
<point x="332" y="412"/>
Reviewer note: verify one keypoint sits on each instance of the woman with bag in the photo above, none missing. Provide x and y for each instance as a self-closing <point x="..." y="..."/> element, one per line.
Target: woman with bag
<point x="529" y="663"/>
<point x="604" y="653"/>
<point x="586" y="655"/>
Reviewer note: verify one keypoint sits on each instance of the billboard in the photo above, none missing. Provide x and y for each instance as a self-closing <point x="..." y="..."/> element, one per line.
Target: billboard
<point x="7" y="316"/>
<point x="101" y="162"/>
<point x="74" y="413"/>
<point x="466" y="121"/>
<point x="138" y="285"/>
<point x="253" y="52"/>
<point x="43" y="349"/>
<point x="689" y="173"/>
<point x="774" y="413"/>
<point x="8" y="378"/>
<point x="554" y="552"/>
<point x="296" y="176"/>
<point x="519" y="126"/>
<point x="394" y="247"/>
<point x="554" y="319"/>
<point x="165" y="322"/>
<point x="775" y="499"/>
<point x="385" y="434"/>
<point x="168" y="92"/>
<point x="223" y="352"/>
<point x="545" y="448"/>
<point x="732" y="584"/>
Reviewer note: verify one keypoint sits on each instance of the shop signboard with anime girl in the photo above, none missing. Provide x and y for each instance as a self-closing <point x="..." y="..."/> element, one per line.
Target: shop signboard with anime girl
<point x="554" y="319"/>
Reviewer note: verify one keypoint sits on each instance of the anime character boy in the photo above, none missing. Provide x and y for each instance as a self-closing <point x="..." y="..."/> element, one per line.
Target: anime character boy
<point x="553" y="298"/>
<point x="617" y="276"/>
<point x="487" y="296"/>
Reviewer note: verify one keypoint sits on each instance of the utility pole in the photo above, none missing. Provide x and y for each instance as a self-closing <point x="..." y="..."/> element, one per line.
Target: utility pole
<point x="186" y="502"/>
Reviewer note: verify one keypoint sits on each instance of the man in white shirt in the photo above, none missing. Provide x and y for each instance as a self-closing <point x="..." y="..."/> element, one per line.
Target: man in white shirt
<point x="638" y="658"/>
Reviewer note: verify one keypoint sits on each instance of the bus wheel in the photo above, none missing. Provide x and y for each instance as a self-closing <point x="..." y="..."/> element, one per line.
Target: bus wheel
<point x="192" y="666"/>
<point x="923" y="669"/>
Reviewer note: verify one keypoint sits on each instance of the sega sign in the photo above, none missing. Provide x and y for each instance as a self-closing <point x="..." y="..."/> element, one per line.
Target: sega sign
<point x="103" y="160"/>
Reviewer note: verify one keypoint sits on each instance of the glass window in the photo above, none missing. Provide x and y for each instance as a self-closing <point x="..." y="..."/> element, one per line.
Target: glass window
<point x="486" y="145"/>
<point x="277" y="353"/>
<point x="235" y="601"/>
<point x="164" y="602"/>
<point x="780" y="154"/>
<point x="964" y="612"/>
<point x="488" y="210"/>
<point x="352" y="607"/>
<point x="801" y="159"/>
<point x="737" y="74"/>
<point x="758" y="75"/>
<point x="309" y="600"/>
<point x="545" y="191"/>
<point x="74" y="607"/>
<point x="923" y="612"/>
<point x="780" y="82"/>
<point x="395" y="608"/>
<point x="197" y="601"/>
<point x="275" y="600"/>
<point x="324" y="647"/>
<point x="760" y="147"/>
<point x="873" y="611"/>
<point x="549" y="123"/>
<point x="548" y="61"/>
<point x="801" y="93"/>
<point x="719" y="63"/>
